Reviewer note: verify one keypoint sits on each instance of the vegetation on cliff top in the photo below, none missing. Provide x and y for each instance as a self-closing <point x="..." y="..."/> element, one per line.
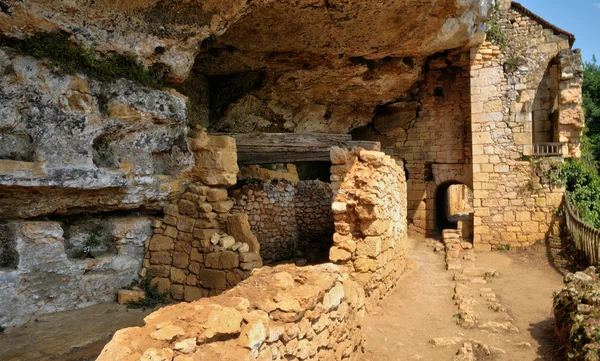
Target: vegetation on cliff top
<point x="73" y="58"/>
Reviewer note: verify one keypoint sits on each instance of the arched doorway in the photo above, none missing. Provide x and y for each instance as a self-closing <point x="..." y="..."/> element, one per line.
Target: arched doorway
<point x="453" y="204"/>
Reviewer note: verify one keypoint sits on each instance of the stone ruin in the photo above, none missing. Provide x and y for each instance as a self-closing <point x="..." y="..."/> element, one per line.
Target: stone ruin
<point x="284" y="312"/>
<point x="126" y="174"/>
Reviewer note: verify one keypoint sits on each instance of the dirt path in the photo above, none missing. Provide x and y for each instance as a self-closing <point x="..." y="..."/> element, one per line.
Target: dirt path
<point x="422" y="308"/>
<point x="68" y="336"/>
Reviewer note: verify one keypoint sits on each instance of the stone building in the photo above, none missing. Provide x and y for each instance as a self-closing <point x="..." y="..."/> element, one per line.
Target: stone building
<point x="495" y="117"/>
<point x="526" y="116"/>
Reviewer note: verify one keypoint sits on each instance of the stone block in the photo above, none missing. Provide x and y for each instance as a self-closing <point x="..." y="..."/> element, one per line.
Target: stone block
<point x="178" y="275"/>
<point x="160" y="258"/>
<point x="180" y="260"/>
<point x="365" y="265"/>
<point x="205" y="208"/>
<point x="227" y="242"/>
<point x="374" y="228"/>
<point x="206" y="224"/>
<point x="369" y="247"/>
<point x="186" y="224"/>
<point x="163" y="271"/>
<point x="531" y="227"/>
<point x="249" y="257"/>
<point x="222" y="207"/>
<point x="187" y="208"/>
<point x="204" y="233"/>
<point x="192" y="293"/>
<point x="249" y="266"/>
<point x="194" y="267"/>
<point x="171" y="232"/>
<point x="196" y="255"/>
<point x="210" y="278"/>
<point x="221" y="260"/>
<point x="337" y="254"/>
<point x="170" y="220"/>
<point x="177" y="292"/>
<point x="217" y="195"/>
<point x="159" y="242"/>
<point x="338" y="155"/>
<point x="163" y="284"/>
<point x="239" y="228"/>
<point x="171" y="210"/>
<point x="126" y="296"/>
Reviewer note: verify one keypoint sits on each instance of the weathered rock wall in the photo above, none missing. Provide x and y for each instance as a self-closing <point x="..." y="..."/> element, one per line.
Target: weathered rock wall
<point x="370" y="217"/>
<point x="69" y="144"/>
<point x="48" y="274"/>
<point x="514" y="205"/>
<point x="169" y="34"/>
<point x="290" y="219"/>
<point x="280" y="313"/>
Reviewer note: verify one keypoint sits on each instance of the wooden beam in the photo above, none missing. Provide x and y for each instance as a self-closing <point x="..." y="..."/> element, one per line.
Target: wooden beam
<point x="266" y="148"/>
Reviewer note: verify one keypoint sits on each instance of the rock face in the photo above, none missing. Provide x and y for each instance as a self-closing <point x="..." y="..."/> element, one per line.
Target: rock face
<point x="68" y="143"/>
<point x="50" y="275"/>
<point x="299" y="66"/>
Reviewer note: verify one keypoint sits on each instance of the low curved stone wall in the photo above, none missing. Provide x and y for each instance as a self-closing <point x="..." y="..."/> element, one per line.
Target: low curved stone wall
<point x="280" y="313"/>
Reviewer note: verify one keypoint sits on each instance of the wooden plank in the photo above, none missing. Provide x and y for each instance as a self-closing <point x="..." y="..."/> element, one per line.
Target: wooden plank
<point x="265" y="148"/>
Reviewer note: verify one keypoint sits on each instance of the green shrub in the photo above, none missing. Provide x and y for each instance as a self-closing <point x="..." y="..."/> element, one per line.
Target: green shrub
<point x="73" y="58"/>
<point x="153" y="296"/>
<point x="582" y="184"/>
<point x="495" y="34"/>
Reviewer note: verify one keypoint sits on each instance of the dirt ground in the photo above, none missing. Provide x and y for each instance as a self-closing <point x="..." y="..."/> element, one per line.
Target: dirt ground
<point x="421" y="308"/>
<point x="400" y="328"/>
<point x="77" y="335"/>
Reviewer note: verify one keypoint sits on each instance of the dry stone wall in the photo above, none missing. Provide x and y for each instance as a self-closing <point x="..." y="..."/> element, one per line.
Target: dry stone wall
<point x="281" y="313"/>
<point x="290" y="219"/>
<point x="272" y="215"/>
<point x="370" y="217"/>
<point x="513" y="203"/>
<point x="200" y="248"/>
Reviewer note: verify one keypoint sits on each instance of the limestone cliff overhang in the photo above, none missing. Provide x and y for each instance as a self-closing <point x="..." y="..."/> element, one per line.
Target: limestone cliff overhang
<point x="558" y="31"/>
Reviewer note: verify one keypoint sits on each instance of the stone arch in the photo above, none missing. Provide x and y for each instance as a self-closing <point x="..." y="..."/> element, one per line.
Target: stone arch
<point x="444" y="174"/>
<point x="441" y="219"/>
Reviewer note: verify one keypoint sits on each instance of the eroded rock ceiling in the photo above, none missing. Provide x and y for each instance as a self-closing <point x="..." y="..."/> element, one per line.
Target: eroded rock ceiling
<point x="302" y="65"/>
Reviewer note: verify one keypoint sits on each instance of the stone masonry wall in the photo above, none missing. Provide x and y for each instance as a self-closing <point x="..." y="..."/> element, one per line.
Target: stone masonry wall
<point x="281" y="313"/>
<point x="512" y="204"/>
<point x="569" y="127"/>
<point x="272" y="215"/>
<point x="200" y="248"/>
<point x="431" y="133"/>
<point x="370" y="217"/>
<point x="314" y="219"/>
<point x="290" y="219"/>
